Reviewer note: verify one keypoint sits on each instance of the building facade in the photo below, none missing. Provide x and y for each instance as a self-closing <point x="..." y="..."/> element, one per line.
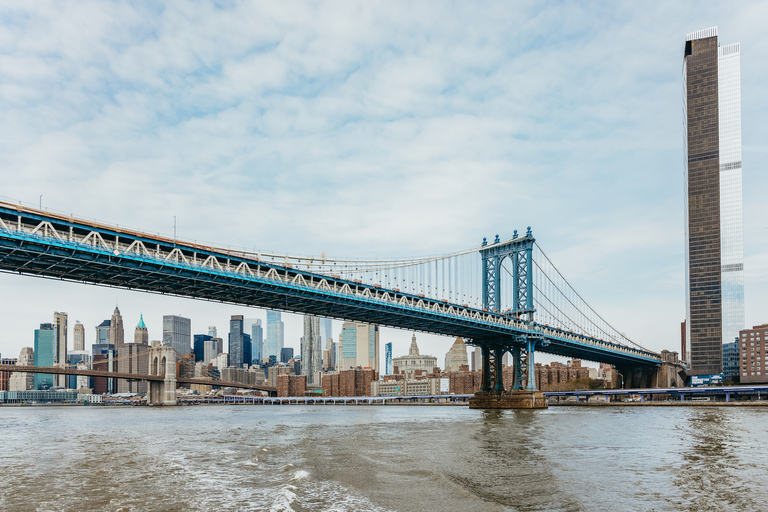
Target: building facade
<point x="23" y="381"/>
<point x="753" y="354"/>
<point x="359" y="346"/>
<point x="60" y="340"/>
<point x="45" y="354"/>
<point x="414" y="362"/>
<point x="239" y="343"/>
<point x="78" y="336"/>
<point x="311" y="349"/>
<point x="177" y="333"/>
<point x="456" y="356"/>
<point x="275" y="334"/>
<point x="713" y="207"/>
<point x="257" y="342"/>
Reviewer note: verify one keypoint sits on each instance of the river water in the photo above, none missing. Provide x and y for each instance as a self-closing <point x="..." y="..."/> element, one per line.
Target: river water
<point x="382" y="458"/>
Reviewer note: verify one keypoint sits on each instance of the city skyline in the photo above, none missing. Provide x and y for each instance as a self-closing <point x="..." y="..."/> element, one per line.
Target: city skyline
<point x="568" y="129"/>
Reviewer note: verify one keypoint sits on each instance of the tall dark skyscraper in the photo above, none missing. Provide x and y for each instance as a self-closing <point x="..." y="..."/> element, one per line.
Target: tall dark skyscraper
<point x="714" y="236"/>
<point x="239" y="343"/>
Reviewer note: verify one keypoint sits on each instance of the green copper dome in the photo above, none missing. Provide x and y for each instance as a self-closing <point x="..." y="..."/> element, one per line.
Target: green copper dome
<point x="141" y="323"/>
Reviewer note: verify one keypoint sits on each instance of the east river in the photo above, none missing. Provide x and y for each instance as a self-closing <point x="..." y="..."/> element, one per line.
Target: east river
<point x="381" y="458"/>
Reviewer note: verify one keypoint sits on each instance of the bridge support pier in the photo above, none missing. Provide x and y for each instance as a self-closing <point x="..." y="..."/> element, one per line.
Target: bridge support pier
<point x="520" y="396"/>
<point x="162" y="362"/>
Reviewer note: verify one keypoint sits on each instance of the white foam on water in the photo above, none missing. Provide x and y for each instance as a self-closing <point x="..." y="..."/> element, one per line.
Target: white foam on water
<point x="284" y="500"/>
<point x="301" y="474"/>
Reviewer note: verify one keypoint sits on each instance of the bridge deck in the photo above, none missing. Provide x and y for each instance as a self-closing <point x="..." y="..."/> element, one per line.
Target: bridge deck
<point x="38" y="243"/>
<point x="55" y="370"/>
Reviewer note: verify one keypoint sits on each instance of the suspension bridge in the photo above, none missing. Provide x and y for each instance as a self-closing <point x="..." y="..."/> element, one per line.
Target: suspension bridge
<point x="502" y="295"/>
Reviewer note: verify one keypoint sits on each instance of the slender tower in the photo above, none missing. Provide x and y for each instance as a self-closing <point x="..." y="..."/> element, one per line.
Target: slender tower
<point x="713" y="208"/>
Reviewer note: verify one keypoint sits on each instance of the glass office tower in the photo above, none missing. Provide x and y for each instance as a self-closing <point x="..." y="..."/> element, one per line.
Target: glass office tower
<point x="713" y="223"/>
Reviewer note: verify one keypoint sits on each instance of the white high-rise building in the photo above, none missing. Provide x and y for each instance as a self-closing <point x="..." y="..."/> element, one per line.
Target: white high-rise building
<point x="78" y="336"/>
<point x="60" y="341"/>
<point x="275" y="335"/>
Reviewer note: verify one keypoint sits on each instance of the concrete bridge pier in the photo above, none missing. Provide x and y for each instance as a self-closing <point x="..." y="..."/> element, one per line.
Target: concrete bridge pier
<point x="669" y="374"/>
<point x="162" y="362"/>
<point x="523" y="393"/>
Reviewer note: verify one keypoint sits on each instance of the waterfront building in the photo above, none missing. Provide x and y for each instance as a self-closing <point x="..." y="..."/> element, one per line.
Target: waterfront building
<point x="177" y="333"/>
<point x="19" y="381"/>
<point x="456" y="356"/>
<point x="78" y="336"/>
<point x="45" y="355"/>
<point x="291" y="385"/>
<point x="39" y="396"/>
<point x="388" y="358"/>
<point x="414" y="363"/>
<point x="311" y="349"/>
<point x="753" y="354"/>
<point x="352" y="382"/>
<point x="60" y="341"/>
<point x="713" y="173"/>
<point x="275" y="334"/>
<point x="141" y="334"/>
<point x="406" y="387"/>
<point x="359" y="346"/>
<point x="5" y="377"/>
<point x="198" y="344"/>
<point x="257" y="342"/>
<point x="731" y="358"/>
<point x="286" y="354"/>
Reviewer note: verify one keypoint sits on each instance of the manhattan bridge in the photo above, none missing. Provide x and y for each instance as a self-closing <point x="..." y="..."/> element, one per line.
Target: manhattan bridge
<point x="502" y="295"/>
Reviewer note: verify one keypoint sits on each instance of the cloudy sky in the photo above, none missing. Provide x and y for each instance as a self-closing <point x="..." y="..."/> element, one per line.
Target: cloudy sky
<point x="372" y="129"/>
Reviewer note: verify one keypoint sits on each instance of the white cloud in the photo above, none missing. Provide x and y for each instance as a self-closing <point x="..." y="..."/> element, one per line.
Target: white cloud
<point x="374" y="129"/>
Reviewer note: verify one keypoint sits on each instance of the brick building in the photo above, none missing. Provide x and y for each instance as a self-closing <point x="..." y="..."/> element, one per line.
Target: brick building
<point x="753" y="354"/>
<point x="352" y="382"/>
<point x="291" y="385"/>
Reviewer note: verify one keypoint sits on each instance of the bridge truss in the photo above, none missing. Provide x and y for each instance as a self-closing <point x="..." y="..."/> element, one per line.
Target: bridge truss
<point x="442" y="295"/>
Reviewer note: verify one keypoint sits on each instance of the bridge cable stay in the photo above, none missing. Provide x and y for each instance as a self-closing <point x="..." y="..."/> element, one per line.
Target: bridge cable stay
<point x="567" y="298"/>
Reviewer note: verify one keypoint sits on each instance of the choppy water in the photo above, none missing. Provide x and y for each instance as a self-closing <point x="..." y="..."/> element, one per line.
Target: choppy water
<point x="382" y="458"/>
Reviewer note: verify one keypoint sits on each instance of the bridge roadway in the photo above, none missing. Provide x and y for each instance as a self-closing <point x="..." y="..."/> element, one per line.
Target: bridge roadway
<point x="129" y="376"/>
<point x="39" y="243"/>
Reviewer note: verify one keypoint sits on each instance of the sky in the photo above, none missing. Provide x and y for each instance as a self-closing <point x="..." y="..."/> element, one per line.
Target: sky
<point x="372" y="130"/>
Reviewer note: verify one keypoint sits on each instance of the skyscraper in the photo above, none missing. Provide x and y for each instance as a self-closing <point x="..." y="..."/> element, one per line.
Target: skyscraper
<point x="60" y="340"/>
<point x="239" y="343"/>
<point x="713" y="206"/>
<point x="359" y="346"/>
<point x="388" y="359"/>
<point x="177" y="333"/>
<point x="45" y="354"/>
<point x="78" y="336"/>
<point x="141" y="335"/>
<point x="311" y="349"/>
<point x="275" y="334"/>
<point x="116" y="329"/>
<point x="326" y="329"/>
<point x="257" y="342"/>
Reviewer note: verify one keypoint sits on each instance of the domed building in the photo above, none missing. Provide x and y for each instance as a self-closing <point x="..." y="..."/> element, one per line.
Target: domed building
<point x="413" y="361"/>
